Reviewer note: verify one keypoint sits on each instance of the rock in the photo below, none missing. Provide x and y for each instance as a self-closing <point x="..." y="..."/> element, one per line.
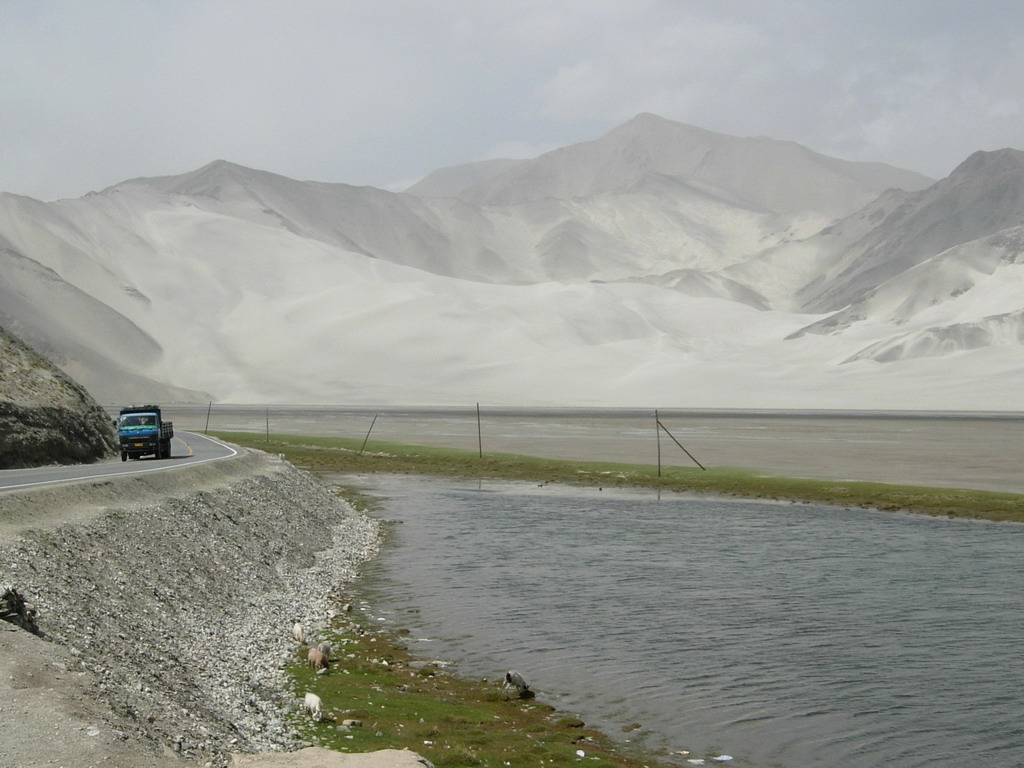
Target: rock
<point x="45" y="417"/>
<point x="14" y="609"/>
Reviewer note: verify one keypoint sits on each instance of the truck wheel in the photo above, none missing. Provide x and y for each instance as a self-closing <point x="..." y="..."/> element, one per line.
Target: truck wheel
<point x="167" y="449"/>
<point x="124" y="455"/>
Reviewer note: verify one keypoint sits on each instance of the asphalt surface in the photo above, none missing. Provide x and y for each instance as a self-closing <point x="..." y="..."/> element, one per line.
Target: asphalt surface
<point x="186" y="448"/>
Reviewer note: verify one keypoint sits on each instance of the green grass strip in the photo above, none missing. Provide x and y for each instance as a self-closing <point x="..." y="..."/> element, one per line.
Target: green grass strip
<point x="343" y="455"/>
<point x="399" y="702"/>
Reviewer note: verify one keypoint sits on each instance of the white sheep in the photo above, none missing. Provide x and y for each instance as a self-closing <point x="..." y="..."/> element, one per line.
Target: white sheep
<point x="316" y="660"/>
<point x="515" y="680"/>
<point x="314" y="706"/>
<point x="298" y="633"/>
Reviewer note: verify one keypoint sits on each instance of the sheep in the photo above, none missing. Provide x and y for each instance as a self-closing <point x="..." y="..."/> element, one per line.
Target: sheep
<point x="298" y="633"/>
<point x="325" y="648"/>
<point x="314" y="706"/>
<point x="317" y="660"/>
<point x="515" y="680"/>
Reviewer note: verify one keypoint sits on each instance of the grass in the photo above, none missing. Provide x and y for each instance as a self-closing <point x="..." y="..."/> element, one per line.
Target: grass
<point x="403" y="703"/>
<point x="343" y="455"/>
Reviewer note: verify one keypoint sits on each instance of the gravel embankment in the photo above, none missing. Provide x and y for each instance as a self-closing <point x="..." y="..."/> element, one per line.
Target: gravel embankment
<point x="174" y="612"/>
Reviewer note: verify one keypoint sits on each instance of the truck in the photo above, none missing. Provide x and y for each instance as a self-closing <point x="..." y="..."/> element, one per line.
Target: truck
<point x="142" y="431"/>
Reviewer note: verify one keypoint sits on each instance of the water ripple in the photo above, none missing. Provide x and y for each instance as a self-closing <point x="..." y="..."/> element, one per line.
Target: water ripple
<point x="786" y="635"/>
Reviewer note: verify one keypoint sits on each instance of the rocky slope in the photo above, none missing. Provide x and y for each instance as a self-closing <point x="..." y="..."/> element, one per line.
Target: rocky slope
<point x="166" y="602"/>
<point x="45" y="417"/>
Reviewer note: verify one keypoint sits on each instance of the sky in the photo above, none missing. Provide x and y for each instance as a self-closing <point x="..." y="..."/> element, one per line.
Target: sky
<point x="381" y="93"/>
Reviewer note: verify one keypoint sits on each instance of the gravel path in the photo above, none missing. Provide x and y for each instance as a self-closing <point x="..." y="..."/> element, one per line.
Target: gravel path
<point x="168" y="620"/>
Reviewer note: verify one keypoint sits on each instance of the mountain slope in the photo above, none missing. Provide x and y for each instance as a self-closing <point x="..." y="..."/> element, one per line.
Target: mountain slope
<point x="679" y="268"/>
<point x="761" y="174"/>
<point x="985" y="194"/>
<point x="780" y="272"/>
<point x="454" y="181"/>
<point x="650" y="197"/>
<point x="79" y="320"/>
<point x="658" y="224"/>
<point x="967" y="297"/>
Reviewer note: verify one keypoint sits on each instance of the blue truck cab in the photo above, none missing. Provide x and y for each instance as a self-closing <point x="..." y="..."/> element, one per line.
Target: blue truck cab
<point x="141" y="431"/>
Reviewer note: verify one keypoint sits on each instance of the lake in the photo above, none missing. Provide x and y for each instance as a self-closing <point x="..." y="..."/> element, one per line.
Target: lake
<point x="780" y="634"/>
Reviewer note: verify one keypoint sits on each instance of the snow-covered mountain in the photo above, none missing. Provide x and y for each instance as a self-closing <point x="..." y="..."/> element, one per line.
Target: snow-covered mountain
<point x="659" y="264"/>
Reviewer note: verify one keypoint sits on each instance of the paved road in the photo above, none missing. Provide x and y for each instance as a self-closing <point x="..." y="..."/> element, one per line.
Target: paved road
<point x="186" y="448"/>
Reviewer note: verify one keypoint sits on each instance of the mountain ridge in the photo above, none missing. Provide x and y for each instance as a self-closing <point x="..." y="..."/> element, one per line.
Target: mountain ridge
<point x="687" y="274"/>
<point x="983" y="195"/>
<point x="742" y="170"/>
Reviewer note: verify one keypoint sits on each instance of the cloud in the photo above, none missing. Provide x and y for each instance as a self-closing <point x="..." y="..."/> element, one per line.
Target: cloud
<point x="684" y="67"/>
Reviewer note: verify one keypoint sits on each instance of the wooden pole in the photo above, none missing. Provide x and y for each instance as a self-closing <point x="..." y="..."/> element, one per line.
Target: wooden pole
<point x="479" y="432"/>
<point x="368" y="433"/>
<point x="268" y="425"/>
<point x="210" y="408"/>
<point x="657" y="432"/>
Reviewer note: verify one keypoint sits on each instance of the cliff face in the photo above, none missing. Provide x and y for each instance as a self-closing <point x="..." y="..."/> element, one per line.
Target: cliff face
<point x="45" y="417"/>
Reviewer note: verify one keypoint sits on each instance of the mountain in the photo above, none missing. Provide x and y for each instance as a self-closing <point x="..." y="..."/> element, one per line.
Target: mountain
<point x="964" y="298"/>
<point x="759" y="174"/>
<point x="984" y="194"/>
<point x="939" y="274"/>
<point x="658" y="264"/>
<point x="78" y="321"/>
<point x="452" y="182"/>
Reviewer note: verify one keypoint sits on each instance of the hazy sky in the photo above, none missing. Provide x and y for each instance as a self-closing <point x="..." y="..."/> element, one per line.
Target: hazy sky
<point x="382" y="92"/>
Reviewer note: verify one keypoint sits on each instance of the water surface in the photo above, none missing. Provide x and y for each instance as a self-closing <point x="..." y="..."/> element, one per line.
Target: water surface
<point x="781" y="634"/>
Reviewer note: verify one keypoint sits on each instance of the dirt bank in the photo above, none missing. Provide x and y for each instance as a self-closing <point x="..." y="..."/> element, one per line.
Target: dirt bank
<point x="167" y="602"/>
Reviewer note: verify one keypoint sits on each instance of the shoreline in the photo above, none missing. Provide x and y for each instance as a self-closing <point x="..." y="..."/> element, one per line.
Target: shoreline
<point x="978" y="451"/>
<point x="476" y="611"/>
<point x="353" y="456"/>
<point x="423" y="704"/>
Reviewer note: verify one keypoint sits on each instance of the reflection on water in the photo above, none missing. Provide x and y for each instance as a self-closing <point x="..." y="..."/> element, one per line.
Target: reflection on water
<point x="782" y="634"/>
